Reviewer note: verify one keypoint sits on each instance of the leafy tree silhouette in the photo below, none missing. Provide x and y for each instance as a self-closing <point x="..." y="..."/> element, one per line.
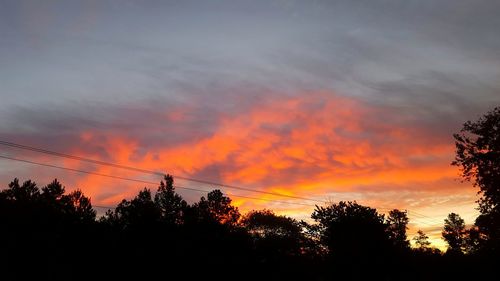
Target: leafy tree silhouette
<point x="280" y="244"/>
<point x="217" y="208"/>
<point x="53" y="191"/>
<point x="48" y="206"/>
<point x="60" y="232"/>
<point x="273" y="234"/>
<point x="45" y="225"/>
<point x="26" y="192"/>
<point x="397" y="224"/>
<point x="214" y="236"/>
<point x="350" y="227"/>
<point x="170" y="204"/>
<point x="355" y="237"/>
<point x="478" y="156"/>
<point x="474" y="240"/>
<point x="422" y="241"/>
<point x="81" y="206"/>
<point x="454" y="233"/>
<point x="140" y="212"/>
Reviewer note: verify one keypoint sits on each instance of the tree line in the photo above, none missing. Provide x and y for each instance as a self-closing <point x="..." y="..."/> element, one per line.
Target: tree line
<point x="47" y="233"/>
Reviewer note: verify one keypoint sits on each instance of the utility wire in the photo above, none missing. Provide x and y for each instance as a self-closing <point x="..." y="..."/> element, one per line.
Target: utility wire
<point x="143" y="181"/>
<point x="175" y="186"/>
<point x="130" y="168"/>
<point x="103" y="163"/>
<point x="422" y="216"/>
<point x="417" y="216"/>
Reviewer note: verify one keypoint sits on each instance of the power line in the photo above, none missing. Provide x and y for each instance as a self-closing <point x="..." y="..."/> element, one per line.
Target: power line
<point x="422" y="216"/>
<point x="225" y="193"/>
<point x="143" y="181"/>
<point x="130" y="168"/>
<point x="417" y="222"/>
<point x="416" y="215"/>
<point x="98" y="162"/>
<point x="175" y="186"/>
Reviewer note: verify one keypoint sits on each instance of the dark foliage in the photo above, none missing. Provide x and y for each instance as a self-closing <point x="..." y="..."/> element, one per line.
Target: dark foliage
<point x="48" y="234"/>
<point x="478" y="156"/>
<point x="455" y="234"/>
<point x="355" y="236"/>
<point x="397" y="224"/>
<point x="280" y="235"/>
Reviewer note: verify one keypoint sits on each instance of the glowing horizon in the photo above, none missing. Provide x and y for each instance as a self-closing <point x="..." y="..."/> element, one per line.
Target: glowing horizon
<point x="331" y="100"/>
<point x="318" y="145"/>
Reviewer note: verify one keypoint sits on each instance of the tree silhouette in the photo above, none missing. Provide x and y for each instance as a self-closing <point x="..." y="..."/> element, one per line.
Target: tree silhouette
<point x="136" y="213"/>
<point x="22" y="206"/>
<point x="81" y="206"/>
<point x="217" y="208"/>
<point x="422" y="240"/>
<point x="478" y="156"/>
<point x="53" y="191"/>
<point x="26" y="192"/>
<point x="355" y="237"/>
<point x="454" y="233"/>
<point x="170" y="204"/>
<point x="45" y="225"/>
<point x="474" y="240"/>
<point x="274" y="234"/>
<point x="348" y="241"/>
<point x="397" y="224"/>
<point x="348" y="226"/>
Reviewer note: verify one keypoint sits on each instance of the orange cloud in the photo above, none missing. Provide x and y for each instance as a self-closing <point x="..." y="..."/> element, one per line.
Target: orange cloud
<point x="317" y="145"/>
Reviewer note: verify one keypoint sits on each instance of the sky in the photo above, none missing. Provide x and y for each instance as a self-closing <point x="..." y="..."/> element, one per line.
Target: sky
<point x="330" y="100"/>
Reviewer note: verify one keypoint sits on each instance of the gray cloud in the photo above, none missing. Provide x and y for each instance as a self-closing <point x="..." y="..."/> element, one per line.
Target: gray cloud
<point x="124" y="67"/>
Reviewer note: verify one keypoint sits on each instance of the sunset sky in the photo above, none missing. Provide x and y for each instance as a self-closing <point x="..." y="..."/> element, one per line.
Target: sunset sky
<point x="330" y="100"/>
